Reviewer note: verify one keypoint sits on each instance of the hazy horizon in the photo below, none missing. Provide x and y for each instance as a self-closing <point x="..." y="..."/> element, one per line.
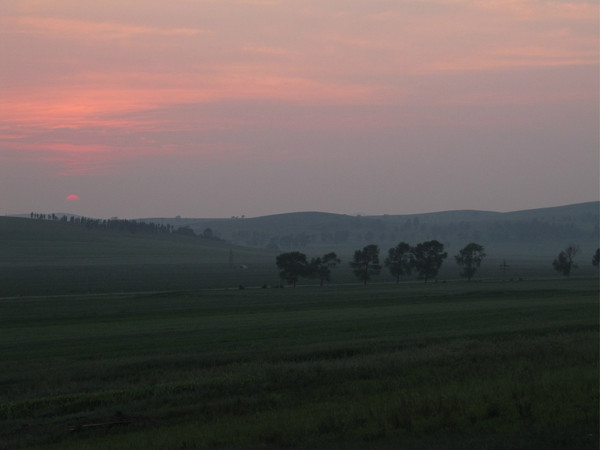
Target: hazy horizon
<point x="68" y="213"/>
<point x="217" y="109"/>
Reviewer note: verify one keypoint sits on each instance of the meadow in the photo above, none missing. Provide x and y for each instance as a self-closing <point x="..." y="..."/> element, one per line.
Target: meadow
<point x="486" y="364"/>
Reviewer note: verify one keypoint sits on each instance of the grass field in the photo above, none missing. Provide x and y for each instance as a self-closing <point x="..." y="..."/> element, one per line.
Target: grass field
<point x="447" y="365"/>
<point x="39" y="257"/>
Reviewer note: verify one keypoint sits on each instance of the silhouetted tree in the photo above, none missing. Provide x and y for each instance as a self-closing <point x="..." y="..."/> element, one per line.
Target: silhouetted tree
<point x="564" y="263"/>
<point x="366" y="263"/>
<point x="596" y="258"/>
<point x="321" y="267"/>
<point x="470" y="258"/>
<point x="429" y="257"/>
<point x="292" y="266"/>
<point x="399" y="261"/>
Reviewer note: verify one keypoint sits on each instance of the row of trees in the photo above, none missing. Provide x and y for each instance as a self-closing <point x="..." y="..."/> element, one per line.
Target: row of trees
<point x="565" y="261"/>
<point x="131" y="226"/>
<point x="473" y="228"/>
<point x="425" y="259"/>
<point x="294" y="265"/>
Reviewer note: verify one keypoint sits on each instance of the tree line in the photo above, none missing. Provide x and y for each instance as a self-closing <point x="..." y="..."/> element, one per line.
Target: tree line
<point x="131" y="226"/>
<point x="294" y="265"/>
<point x="565" y="261"/>
<point x="425" y="259"/>
<point x="364" y="230"/>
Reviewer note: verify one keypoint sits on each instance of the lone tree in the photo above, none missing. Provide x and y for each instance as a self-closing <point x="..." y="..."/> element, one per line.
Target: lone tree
<point x="399" y="261"/>
<point x="321" y="267"/>
<point x="470" y="259"/>
<point x="366" y="263"/>
<point x="596" y="258"/>
<point x="564" y="263"/>
<point x="429" y="257"/>
<point x="292" y="266"/>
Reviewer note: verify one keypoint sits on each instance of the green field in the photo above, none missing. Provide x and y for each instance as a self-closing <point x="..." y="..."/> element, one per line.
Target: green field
<point x="446" y="365"/>
<point x="39" y="257"/>
<point x="119" y="340"/>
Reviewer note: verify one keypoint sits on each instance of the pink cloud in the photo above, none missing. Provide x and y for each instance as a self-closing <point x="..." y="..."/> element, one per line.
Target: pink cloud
<point x="88" y="29"/>
<point x="137" y="83"/>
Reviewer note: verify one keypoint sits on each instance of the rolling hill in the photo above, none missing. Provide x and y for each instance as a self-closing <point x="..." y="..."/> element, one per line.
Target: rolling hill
<point x="46" y="242"/>
<point x="46" y="257"/>
<point x="40" y="257"/>
<point x="529" y="233"/>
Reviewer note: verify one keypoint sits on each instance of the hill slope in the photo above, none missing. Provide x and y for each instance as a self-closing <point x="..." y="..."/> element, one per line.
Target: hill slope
<point x="44" y="242"/>
<point x="42" y="257"/>
<point x="537" y="232"/>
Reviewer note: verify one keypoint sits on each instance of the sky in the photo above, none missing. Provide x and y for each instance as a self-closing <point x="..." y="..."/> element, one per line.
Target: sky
<point x="220" y="108"/>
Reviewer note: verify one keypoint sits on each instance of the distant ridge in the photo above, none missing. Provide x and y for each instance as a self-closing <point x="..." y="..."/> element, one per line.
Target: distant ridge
<point x="291" y="216"/>
<point x="535" y="231"/>
<point x="539" y="232"/>
<point x="455" y="212"/>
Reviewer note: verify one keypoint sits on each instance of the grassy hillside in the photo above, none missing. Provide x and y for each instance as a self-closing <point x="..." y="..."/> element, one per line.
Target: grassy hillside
<point x="35" y="242"/>
<point x="52" y="257"/>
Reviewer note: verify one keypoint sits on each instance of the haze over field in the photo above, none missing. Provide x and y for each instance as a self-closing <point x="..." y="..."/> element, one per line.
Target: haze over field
<point x="223" y="108"/>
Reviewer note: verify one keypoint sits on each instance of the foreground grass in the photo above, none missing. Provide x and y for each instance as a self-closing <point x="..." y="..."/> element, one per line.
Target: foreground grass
<point x="456" y="365"/>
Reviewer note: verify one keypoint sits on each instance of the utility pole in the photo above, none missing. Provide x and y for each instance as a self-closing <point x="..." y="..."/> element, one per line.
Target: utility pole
<point x="504" y="267"/>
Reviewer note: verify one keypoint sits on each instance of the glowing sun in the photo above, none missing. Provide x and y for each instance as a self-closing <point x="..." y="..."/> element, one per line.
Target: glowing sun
<point x="73" y="198"/>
